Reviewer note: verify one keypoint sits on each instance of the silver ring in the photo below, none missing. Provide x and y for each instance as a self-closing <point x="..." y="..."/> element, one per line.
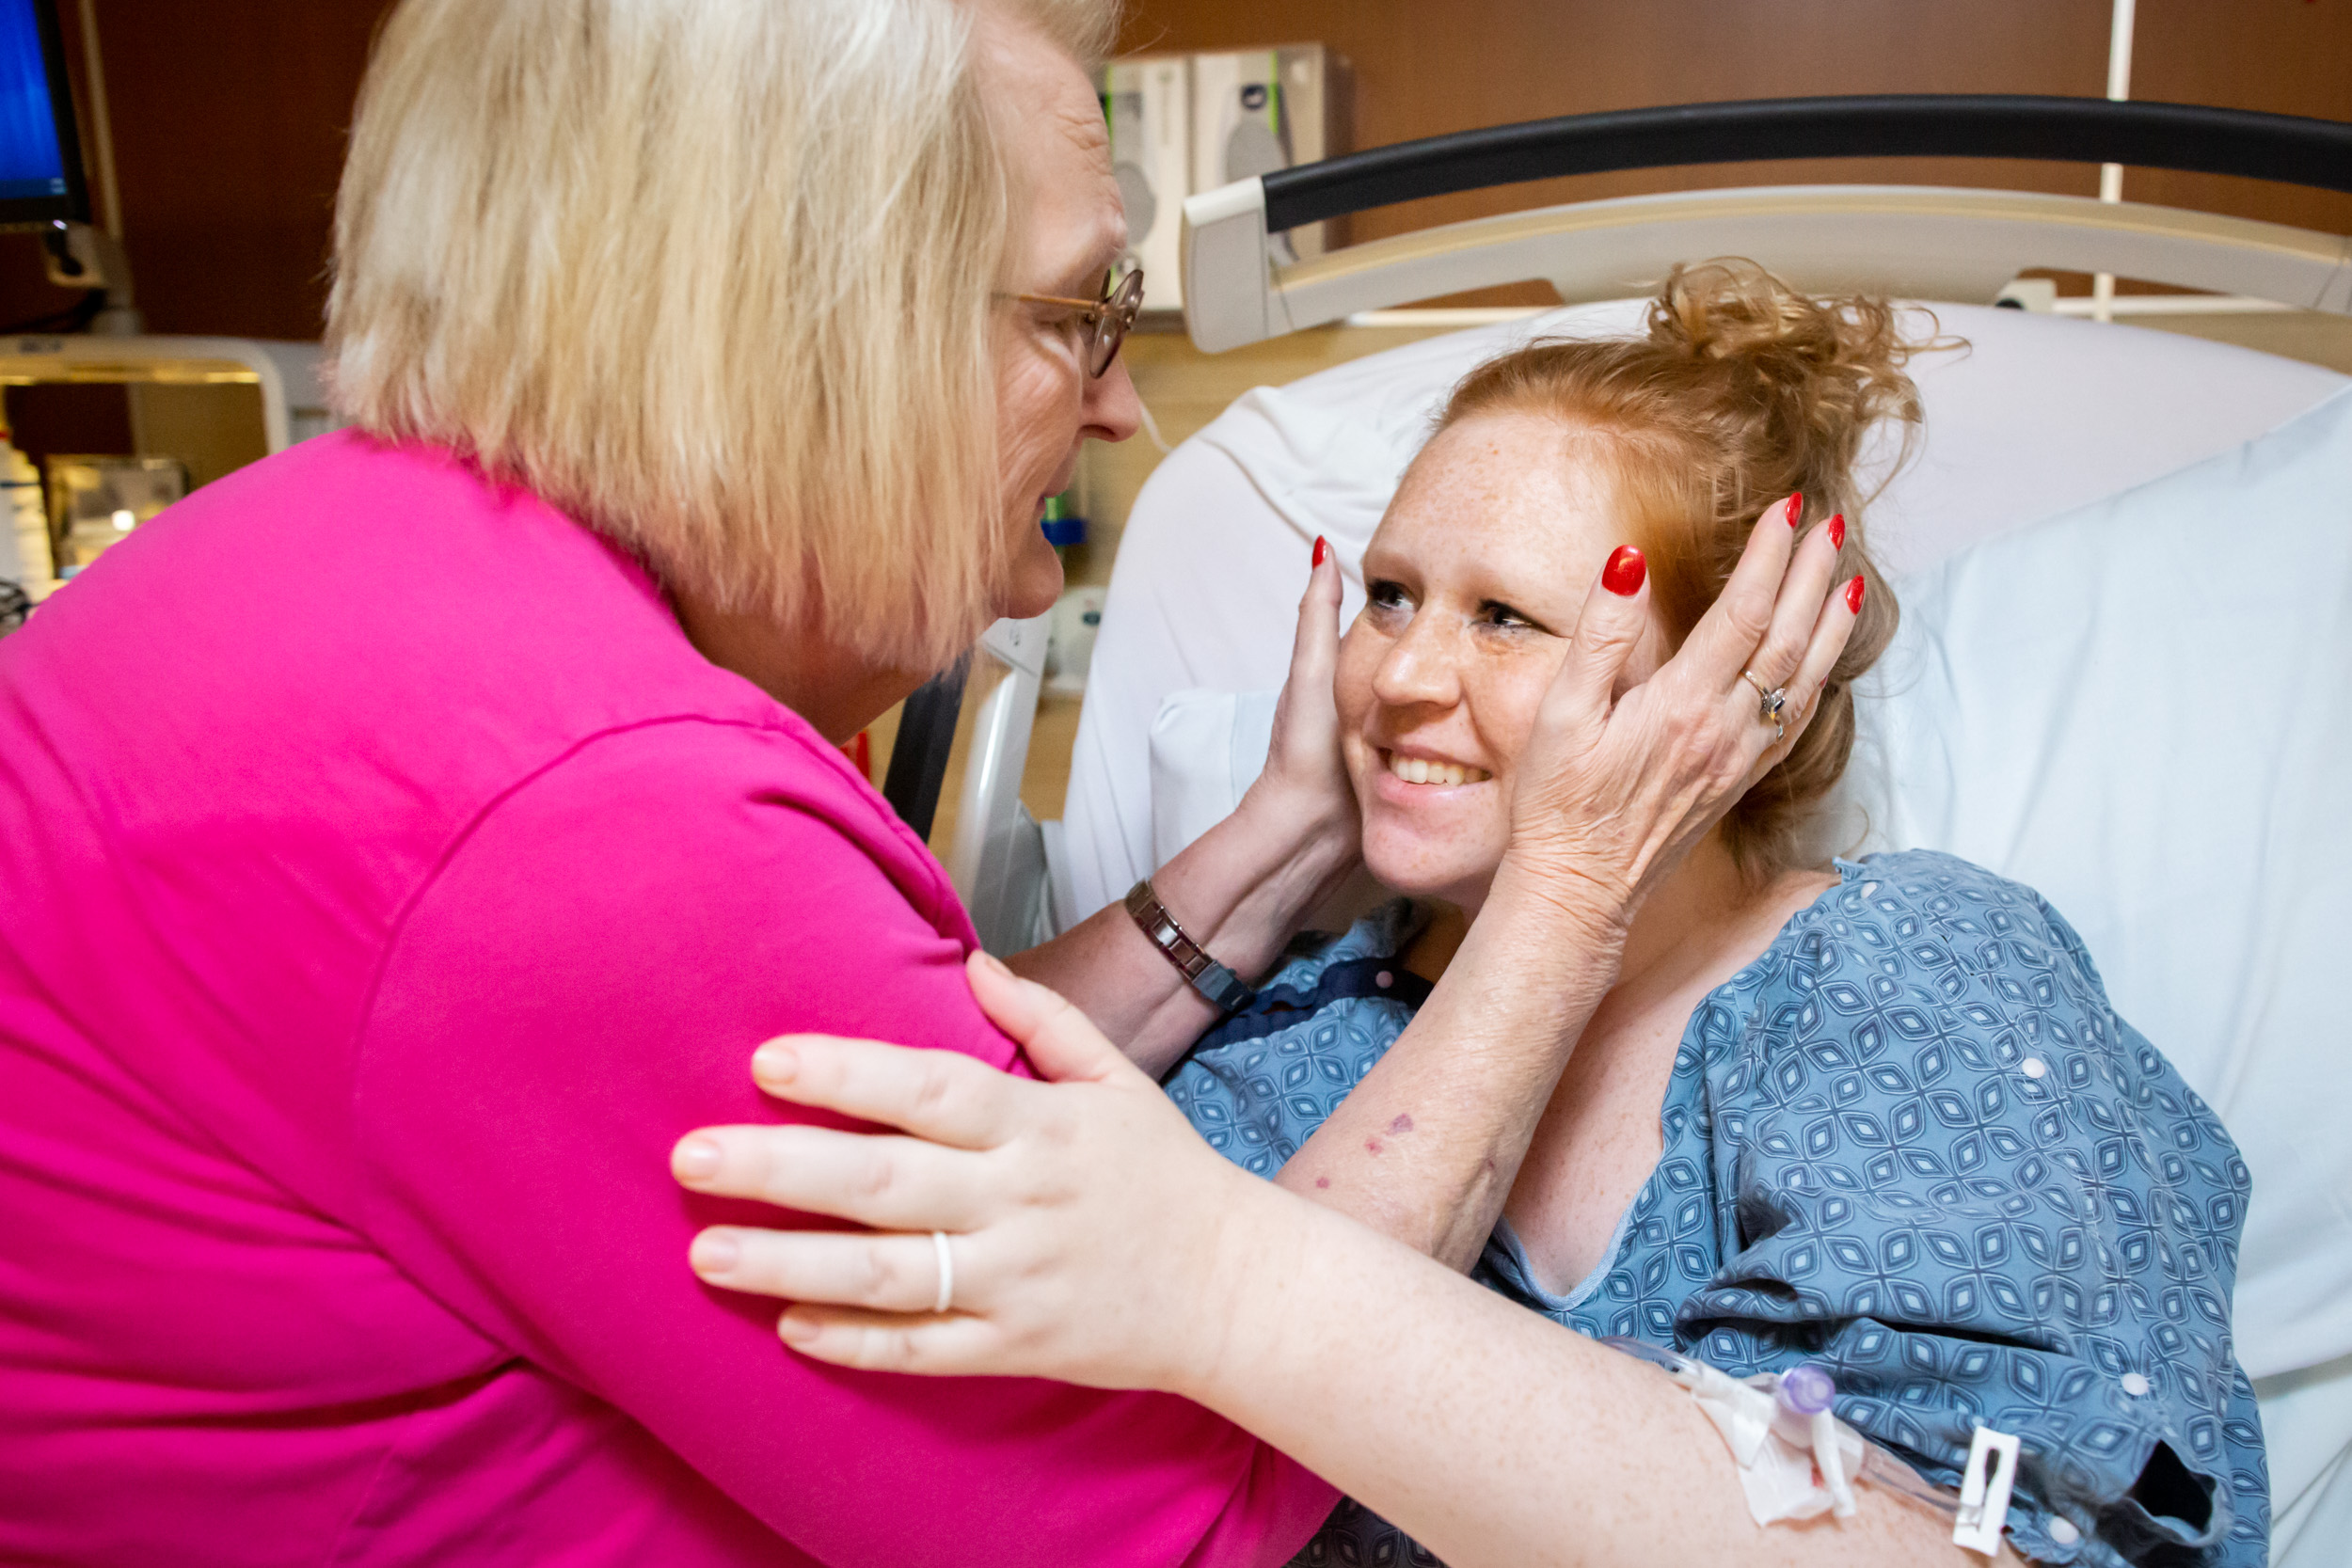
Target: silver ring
<point x="1775" y="703"/>
<point x="947" y="1271"/>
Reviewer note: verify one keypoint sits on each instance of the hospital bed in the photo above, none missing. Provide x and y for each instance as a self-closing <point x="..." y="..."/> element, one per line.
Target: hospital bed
<point x="2126" y="557"/>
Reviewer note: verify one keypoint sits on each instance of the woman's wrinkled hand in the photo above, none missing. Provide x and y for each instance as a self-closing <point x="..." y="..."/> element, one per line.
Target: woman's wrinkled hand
<point x="1614" y="788"/>
<point x="1305" y="782"/>
<point x="1089" y="1227"/>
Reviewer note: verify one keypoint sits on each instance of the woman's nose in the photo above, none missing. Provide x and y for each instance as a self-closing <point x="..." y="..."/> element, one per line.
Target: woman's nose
<point x="1417" y="669"/>
<point x="1111" y="411"/>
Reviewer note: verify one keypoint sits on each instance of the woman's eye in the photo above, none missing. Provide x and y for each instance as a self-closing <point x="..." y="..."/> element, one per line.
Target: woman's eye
<point x="1387" y="595"/>
<point x="1503" y="615"/>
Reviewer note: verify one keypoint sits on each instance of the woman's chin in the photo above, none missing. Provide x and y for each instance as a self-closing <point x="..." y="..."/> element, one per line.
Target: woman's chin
<point x="1417" y="869"/>
<point x="1035" y="584"/>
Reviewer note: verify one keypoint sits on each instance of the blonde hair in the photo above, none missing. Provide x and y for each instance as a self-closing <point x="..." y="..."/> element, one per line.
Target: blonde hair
<point x="1743" y="392"/>
<point x="715" y="278"/>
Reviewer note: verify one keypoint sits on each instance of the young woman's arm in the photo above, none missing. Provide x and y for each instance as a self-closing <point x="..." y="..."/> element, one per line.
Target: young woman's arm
<point x="1098" y="1241"/>
<point x="1242" y="889"/>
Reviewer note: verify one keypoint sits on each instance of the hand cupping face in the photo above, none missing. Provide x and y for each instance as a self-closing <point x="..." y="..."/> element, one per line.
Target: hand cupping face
<point x="1615" y="792"/>
<point x="1304" y="777"/>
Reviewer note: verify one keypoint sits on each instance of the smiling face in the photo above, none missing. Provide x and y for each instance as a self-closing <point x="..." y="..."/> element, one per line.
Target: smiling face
<point x="1473" y="582"/>
<point x="1070" y="228"/>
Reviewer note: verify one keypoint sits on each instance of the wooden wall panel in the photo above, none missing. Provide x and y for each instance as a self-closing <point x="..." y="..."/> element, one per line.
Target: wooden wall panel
<point x="229" y="122"/>
<point x="229" y="114"/>
<point x="2284" y="56"/>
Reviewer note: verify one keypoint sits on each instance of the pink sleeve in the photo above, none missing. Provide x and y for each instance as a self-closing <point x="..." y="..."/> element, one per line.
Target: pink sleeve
<point x="583" y="981"/>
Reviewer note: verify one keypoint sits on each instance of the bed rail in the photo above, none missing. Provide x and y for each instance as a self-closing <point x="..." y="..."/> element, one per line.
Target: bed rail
<point x="1925" y="242"/>
<point x="2185" y="137"/>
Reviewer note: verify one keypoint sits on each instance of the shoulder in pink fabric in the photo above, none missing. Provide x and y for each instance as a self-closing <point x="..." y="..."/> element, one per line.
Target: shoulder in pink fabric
<point x="389" y="884"/>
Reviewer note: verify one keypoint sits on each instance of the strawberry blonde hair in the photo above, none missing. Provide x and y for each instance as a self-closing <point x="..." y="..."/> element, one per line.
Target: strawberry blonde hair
<point x="1741" y="391"/>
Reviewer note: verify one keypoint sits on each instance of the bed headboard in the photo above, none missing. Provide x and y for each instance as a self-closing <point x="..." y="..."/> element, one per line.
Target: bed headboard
<point x="1935" y="242"/>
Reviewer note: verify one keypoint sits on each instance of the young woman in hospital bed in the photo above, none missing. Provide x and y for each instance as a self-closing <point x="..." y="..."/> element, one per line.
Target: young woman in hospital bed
<point x="1904" y="1135"/>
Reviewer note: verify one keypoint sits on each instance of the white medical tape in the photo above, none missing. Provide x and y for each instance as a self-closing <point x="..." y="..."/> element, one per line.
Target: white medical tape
<point x="1831" y="1462"/>
<point x="1779" y="1456"/>
<point x="1797" y="1461"/>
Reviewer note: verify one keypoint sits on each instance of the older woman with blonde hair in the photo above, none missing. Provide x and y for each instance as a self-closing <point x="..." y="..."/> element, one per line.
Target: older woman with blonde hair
<point x="405" y="839"/>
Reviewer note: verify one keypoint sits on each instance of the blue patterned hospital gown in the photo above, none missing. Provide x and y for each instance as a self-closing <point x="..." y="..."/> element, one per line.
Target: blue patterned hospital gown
<point x="1911" y="1141"/>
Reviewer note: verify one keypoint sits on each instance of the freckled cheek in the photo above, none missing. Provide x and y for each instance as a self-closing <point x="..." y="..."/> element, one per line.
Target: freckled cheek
<point x="1504" y="706"/>
<point x="1351" y="693"/>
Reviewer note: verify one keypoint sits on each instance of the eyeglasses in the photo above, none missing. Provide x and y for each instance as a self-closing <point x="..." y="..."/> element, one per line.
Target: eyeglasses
<point x="1111" y="316"/>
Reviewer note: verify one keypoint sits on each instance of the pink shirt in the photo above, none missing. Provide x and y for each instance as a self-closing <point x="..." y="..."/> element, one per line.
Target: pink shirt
<point x="385" y="884"/>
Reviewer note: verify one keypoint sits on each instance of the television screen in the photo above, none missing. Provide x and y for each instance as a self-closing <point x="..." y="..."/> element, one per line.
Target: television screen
<point x="40" y="176"/>
<point x="30" y="162"/>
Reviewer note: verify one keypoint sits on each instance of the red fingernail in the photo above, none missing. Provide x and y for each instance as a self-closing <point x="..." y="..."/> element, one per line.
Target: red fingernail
<point x="1838" y="532"/>
<point x="1793" y="508"/>
<point x="1624" y="573"/>
<point x="1322" y="547"/>
<point x="1853" y="595"/>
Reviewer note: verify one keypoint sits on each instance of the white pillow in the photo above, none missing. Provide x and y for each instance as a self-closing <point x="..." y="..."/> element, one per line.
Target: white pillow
<point x="2143" y="708"/>
<point x="1206" y="748"/>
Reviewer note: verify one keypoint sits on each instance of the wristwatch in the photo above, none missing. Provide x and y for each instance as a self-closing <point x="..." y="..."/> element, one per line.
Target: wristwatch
<point x="1221" y="984"/>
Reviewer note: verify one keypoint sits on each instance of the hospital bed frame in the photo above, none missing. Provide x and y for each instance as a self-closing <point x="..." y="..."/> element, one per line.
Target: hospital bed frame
<point x="1926" y="242"/>
<point x="1916" y="241"/>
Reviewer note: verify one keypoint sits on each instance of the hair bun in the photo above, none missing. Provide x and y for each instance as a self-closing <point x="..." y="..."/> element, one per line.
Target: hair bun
<point x="1835" y="361"/>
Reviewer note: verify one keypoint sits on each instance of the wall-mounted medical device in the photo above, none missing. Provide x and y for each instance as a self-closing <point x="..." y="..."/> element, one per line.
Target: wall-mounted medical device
<point x="1180" y="124"/>
<point x="1147" y="105"/>
<point x="1257" y="111"/>
<point x="42" y="184"/>
<point x="40" y="150"/>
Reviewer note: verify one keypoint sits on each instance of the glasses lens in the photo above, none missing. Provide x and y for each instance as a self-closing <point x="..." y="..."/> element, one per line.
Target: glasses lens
<point x="1120" y="305"/>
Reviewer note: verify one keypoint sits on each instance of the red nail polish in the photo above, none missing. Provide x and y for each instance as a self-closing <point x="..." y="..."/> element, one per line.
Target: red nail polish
<point x="1793" y="508"/>
<point x="1624" y="573"/>
<point x="1322" y="547"/>
<point x="1853" y="595"/>
<point x="1838" y="532"/>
